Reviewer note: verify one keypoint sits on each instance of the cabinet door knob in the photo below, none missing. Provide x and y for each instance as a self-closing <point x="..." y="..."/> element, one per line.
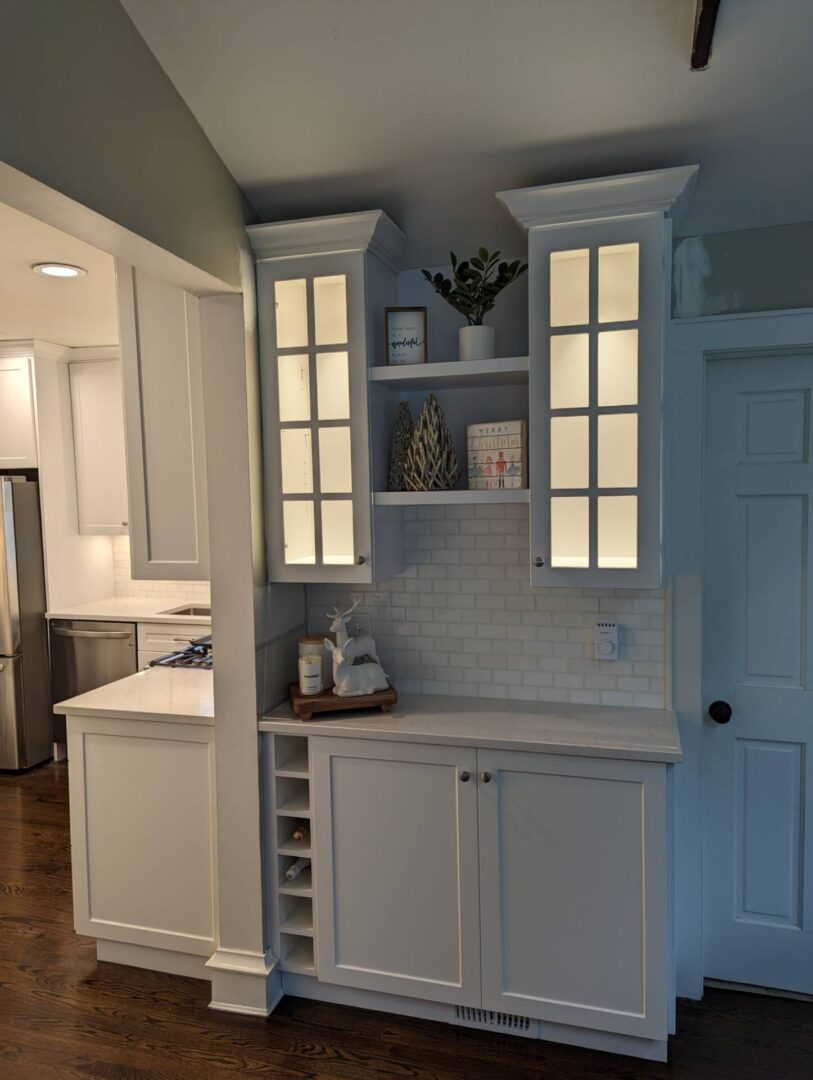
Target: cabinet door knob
<point x="125" y="523"/>
<point x="539" y="561"/>
<point x="360" y="560"/>
<point x="465" y="777"/>
<point x="485" y="777"/>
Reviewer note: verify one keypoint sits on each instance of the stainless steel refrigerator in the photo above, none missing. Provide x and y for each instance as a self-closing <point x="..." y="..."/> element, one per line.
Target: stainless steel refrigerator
<point x="25" y="710"/>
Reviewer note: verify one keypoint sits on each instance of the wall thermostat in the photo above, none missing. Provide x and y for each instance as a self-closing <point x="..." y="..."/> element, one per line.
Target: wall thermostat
<point x="605" y="641"/>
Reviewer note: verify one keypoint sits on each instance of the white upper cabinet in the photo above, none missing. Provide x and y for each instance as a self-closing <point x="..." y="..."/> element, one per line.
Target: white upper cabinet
<point x="163" y="413"/>
<point x="322" y="288"/>
<point x="98" y="439"/>
<point x="18" y="433"/>
<point x="599" y="285"/>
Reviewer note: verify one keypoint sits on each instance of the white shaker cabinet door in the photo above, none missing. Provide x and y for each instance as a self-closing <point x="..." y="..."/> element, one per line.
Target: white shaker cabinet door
<point x="18" y="438"/>
<point x="395" y="831"/>
<point x="98" y="441"/>
<point x="573" y="890"/>
<point x="159" y="327"/>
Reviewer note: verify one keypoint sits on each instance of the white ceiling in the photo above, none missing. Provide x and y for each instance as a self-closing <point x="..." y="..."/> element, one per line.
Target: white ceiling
<point x="427" y="107"/>
<point x="71" y="311"/>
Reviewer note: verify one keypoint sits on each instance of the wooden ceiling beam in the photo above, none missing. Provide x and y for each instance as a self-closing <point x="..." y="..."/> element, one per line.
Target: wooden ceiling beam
<point x="704" y="21"/>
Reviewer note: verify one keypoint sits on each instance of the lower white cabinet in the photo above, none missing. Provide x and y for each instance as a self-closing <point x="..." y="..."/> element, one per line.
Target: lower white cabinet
<point x="395" y="827"/>
<point x="142" y="840"/>
<point x="526" y="883"/>
<point x="573" y="896"/>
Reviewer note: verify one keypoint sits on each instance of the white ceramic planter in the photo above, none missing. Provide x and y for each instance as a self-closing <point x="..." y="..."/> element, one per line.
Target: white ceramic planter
<point x="476" y="342"/>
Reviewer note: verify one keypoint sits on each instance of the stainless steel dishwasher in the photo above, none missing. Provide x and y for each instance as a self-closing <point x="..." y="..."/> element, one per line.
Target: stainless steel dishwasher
<point x="85" y="655"/>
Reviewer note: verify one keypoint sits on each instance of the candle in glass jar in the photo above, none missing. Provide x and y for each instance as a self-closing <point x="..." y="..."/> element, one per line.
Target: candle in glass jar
<point x="310" y="675"/>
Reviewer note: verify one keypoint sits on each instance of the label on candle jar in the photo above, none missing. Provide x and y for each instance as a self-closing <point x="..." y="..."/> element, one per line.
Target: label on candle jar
<point x="310" y="675"/>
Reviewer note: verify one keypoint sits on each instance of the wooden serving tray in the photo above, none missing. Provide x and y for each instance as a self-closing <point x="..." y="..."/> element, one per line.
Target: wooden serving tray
<point x="305" y="705"/>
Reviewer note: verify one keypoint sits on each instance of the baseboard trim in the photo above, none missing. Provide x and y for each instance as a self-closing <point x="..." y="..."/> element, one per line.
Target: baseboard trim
<point x="170" y="962"/>
<point x="306" y="986"/>
<point x="764" y="991"/>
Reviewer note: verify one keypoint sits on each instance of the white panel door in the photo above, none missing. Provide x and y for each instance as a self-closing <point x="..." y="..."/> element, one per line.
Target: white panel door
<point x="573" y="890"/>
<point x="395" y="835"/>
<point x="98" y="441"/>
<point x="758" y="659"/>
<point x="18" y="439"/>
<point x="163" y="409"/>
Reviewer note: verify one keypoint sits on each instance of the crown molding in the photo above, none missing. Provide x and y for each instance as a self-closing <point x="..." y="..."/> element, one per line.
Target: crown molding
<point x="660" y="191"/>
<point x="370" y="230"/>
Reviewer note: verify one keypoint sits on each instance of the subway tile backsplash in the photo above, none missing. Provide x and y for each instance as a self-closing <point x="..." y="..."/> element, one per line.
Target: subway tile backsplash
<point x="197" y="592"/>
<point x="463" y="619"/>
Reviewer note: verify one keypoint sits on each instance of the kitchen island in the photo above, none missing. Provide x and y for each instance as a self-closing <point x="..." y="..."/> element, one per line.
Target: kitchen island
<point x="142" y="802"/>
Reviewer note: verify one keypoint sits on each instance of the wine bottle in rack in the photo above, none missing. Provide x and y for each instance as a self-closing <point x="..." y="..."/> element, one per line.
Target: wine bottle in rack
<point x="296" y="868"/>
<point x="301" y="833"/>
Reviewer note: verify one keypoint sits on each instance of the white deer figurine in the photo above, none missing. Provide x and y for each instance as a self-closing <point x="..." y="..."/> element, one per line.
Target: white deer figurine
<point x="363" y="645"/>
<point x="338" y="622"/>
<point x="353" y="680"/>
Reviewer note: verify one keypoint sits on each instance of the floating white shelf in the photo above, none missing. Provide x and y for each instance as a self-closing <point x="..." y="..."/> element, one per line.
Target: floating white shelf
<point x="454" y="374"/>
<point x="450" y="498"/>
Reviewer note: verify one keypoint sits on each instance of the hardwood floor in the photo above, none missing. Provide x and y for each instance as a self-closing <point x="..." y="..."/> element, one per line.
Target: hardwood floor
<point x="62" y="1014"/>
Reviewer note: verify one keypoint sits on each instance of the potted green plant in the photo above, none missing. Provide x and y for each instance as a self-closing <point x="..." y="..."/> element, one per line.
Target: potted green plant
<point x="473" y="292"/>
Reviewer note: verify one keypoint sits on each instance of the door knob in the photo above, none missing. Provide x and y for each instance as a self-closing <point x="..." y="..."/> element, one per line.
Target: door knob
<point x="539" y="561"/>
<point x="720" y="712"/>
<point x="360" y="560"/>
<point x="465" y="777"/>
<point x="485" y="777"/>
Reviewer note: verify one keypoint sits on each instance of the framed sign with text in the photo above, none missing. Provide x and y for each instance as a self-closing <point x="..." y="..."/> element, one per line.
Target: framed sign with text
<point x="406" y="335"/>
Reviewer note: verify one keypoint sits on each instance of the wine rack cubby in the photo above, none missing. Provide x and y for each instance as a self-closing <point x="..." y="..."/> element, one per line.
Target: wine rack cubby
<point x="291" y="870"/>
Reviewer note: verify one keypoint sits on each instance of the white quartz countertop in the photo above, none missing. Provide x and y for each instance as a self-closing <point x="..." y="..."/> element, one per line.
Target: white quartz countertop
<point x="177" y="695"/>
<point x="131" y="609"/>
<point x="587" y="730"/>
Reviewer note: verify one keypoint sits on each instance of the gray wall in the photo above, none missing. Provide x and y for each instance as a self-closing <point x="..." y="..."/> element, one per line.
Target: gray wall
<point x="768" y="269"/>
<point x="87" y="110"/>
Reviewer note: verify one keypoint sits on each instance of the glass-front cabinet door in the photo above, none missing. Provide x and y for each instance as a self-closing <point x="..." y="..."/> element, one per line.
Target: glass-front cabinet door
<point x="322" y="285"/>
<point x="597" y="302"/>
<point x="599" y="254"/>
<point x="314" y="386"/>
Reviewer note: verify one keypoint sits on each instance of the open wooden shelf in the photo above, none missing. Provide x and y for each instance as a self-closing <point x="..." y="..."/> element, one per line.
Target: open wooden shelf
<point x="300" y="850"/>
<point x="298" y="955"/>
<point x="450" y="498"/>
<point x="298" y="923"/>
<point x="301" y="886"/>
<point x="293" y="901"/>
<point x="454" y="374"/>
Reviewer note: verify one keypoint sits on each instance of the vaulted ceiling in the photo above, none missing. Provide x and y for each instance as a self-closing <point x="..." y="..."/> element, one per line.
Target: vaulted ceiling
<point x="427" y="107"/>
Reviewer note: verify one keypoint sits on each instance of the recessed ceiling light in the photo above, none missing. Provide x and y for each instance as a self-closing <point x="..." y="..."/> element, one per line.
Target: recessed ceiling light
<point x="60" y="270"/>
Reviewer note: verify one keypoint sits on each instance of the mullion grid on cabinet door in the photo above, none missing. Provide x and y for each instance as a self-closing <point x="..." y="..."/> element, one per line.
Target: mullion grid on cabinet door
<point x="298" y="425"/>
<point x="593" y="411"/>
<point x="628" y="409"/>
<point x="333" y="348"/>
<point x="317" y="484"/>
<point x="592" y="506"/>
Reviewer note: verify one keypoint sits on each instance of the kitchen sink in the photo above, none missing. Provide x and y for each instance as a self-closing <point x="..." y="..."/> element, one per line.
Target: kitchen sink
<point x="189" y="609"/>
